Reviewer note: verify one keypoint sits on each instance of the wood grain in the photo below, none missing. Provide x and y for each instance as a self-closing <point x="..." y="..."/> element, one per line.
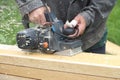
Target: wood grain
<point x="12" y="77"/>
<point x="83" y="66"/>
<point x="43" y="74"/>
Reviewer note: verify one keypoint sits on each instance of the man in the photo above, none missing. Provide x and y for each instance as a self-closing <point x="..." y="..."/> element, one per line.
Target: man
<point x="89" y="17"/>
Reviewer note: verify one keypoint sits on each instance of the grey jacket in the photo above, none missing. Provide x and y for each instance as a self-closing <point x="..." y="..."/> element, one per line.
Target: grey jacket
<point x="95" y="13"/>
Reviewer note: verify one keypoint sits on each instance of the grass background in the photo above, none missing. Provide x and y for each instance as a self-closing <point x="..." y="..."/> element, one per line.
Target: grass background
<point x="10" y="22"/>
<point x="113" y="24"/>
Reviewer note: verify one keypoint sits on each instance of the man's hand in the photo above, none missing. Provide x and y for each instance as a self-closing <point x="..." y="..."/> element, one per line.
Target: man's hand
<point x="80" y="24"/>
<point x="37" y="16"/>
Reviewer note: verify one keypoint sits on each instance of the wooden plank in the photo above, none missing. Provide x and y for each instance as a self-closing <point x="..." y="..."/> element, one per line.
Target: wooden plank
<point x="11" y="77"/>
<point x="69" y="64"/>
<point x="112" y="48"/>
<point x="83" y="64"/>
<point x="43" y="74"/>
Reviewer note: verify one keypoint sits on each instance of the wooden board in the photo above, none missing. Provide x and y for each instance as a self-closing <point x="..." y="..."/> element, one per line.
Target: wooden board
<point x="12" y="77"/>
<point x="112" y="48"/>
<point x="83" y="66"/>
<point x="44" y="74"/>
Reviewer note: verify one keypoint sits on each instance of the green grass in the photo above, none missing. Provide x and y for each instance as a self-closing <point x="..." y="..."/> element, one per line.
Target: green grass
<point x="10" y="22"/>
<point x="113" y="24"/>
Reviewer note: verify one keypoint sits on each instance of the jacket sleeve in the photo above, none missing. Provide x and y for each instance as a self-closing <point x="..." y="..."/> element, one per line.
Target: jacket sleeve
<point x="27" y="6"/>
<point x="97" y="10"/>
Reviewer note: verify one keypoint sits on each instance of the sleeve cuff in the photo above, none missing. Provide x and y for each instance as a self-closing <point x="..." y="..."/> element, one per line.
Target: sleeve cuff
<point x="88" y="18"/>
<point x="28" y="7"/>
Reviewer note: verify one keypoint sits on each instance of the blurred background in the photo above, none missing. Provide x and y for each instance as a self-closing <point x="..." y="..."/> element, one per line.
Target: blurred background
<point x="10" y="23"/>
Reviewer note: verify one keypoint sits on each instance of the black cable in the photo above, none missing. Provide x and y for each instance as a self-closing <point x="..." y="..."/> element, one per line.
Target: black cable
<point x="47" y="10"/>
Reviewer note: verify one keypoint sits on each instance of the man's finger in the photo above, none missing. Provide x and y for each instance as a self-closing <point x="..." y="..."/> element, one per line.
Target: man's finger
<point x="42" y="19"/>
<point x="47" y="24"/>
<point x="75" y="34"/>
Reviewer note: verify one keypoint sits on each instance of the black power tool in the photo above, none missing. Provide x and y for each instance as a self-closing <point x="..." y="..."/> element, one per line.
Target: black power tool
<point x="48" y="39"/>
